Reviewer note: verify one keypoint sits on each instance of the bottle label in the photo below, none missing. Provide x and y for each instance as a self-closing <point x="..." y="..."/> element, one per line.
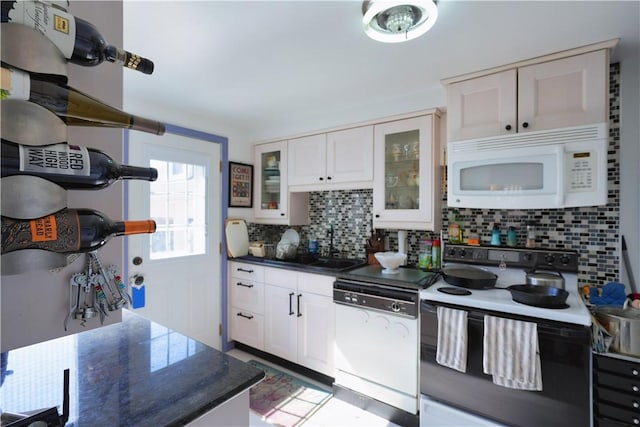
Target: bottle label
<point x="14" y="84"/>
<point x="52" y="22"/>
<point x="59" y="232"/>
<point x="58" y="159"/>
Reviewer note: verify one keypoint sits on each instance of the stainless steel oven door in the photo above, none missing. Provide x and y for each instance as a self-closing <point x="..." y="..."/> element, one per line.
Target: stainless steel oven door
<point x="377" y="355"/>
<point x="565" y="357"/>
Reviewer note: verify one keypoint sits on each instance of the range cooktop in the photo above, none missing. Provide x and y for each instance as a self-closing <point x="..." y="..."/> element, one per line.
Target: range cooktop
<point x="406" y="278"/>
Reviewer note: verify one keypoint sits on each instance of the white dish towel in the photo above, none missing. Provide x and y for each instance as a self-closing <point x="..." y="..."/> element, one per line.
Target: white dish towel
<point x="511" y="354"/>
<point x="452" y="338"/>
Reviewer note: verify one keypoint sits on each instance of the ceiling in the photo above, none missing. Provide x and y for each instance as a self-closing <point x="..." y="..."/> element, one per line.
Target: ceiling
<point x="275" y="68"/>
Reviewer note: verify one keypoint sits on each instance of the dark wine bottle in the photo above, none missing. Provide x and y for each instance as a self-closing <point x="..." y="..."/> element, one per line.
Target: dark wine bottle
<point x="75" y="108"/>
<point x="70" y="166"/>
<point x="67" y="231"/>
<point x="78" y="40"/>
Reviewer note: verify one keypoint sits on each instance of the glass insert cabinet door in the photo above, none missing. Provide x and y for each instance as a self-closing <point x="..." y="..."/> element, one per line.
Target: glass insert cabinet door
<point x="402" y="170"/>
<point x="271" y="182"/>
<point x="404" y="159"/>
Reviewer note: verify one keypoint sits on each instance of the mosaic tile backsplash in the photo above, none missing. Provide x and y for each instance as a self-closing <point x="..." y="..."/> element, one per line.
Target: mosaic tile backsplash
<point x="592" y="231"/>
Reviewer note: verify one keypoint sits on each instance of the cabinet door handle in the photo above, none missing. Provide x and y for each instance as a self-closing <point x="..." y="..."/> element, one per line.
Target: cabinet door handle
<point x="245" y="316"/>
<point x="245" y="285"/>
<point x="291" y="304"/>
<point x="525" y="125"/>
<point x="246" y="271"/>
<point x="299" y="314"/>
<point x="508" y="127"/>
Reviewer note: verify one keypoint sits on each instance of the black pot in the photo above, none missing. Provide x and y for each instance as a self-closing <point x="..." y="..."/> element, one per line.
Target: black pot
<point x="539" y="296"/>
<point x="469" y="277"/>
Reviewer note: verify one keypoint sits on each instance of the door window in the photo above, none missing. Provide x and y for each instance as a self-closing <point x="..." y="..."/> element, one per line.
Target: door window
<point x="178" y="205"/>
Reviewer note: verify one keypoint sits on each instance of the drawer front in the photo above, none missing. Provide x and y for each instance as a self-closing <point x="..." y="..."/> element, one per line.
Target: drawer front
<point x="246" y="295"/>
<point x="316" y="284"/>
<point x="625" y="400"/>
<point x="280" y="277"/>
<point x="618" y="366"/>
<point x="247" y="328"/>
<point x="620" y="383"/>
<point x="244" y="271"/>
<point x="609" y="411"/>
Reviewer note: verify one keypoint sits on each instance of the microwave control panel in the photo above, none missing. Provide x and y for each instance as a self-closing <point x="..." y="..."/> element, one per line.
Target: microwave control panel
<point x="581" y="169"/>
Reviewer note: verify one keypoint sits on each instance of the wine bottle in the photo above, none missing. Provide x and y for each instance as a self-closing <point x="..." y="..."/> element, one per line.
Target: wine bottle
<point x="70" y="166"/>
<point x="75" y="108"/>
<point x="78" y="40"/>
<point x="67" y="231"/>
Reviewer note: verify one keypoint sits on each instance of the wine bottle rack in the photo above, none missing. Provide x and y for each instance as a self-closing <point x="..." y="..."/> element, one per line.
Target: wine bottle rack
<point x="24" y="122"/>
<point x="25" y="48"/>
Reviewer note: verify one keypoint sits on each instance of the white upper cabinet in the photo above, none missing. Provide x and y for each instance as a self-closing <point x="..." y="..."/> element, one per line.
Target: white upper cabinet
<point x="484" y="106"/>
<point x="407" y="174"/>
<point x="337" y="160"/>
<point x="569" y="91"/>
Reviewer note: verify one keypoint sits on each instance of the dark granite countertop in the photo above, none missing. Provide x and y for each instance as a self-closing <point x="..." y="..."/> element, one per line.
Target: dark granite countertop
<point x="133" y="373"/>
<point x="302" y="263"/>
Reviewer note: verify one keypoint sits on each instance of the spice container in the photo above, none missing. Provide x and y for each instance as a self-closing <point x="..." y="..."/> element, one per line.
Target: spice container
<point x="424" y="257"/>
<point x="512" y="237"/>
<point x="435" y="254"/>
<point x="495" y="235"/>
<point x="453" y="230"/>
<point x="531" y="235"/>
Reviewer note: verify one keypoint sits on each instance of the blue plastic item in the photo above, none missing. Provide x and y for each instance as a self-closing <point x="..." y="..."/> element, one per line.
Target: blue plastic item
<point x="613" y="293"/>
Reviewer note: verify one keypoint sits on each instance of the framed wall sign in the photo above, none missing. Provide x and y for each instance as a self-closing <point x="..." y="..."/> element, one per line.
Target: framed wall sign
<point x="240" y="185"/>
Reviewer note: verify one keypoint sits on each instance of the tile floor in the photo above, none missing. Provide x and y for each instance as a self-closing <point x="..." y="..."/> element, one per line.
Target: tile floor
<point x="334" y="413"/>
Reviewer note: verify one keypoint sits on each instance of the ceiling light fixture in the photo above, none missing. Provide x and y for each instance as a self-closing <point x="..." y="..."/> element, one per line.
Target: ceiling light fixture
<point x="394" y="21"/>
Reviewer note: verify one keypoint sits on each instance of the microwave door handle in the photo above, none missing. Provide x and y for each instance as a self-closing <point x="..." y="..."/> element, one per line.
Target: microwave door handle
<point x="560" y="169"/>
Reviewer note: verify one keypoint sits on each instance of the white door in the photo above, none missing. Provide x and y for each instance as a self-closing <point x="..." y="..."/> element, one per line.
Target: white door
<point x="178" y="267"/>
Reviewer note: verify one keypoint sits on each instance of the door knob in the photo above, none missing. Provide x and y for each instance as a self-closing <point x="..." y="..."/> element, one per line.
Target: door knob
<point x="137" y="260"/>
<point x="138" y="280"/>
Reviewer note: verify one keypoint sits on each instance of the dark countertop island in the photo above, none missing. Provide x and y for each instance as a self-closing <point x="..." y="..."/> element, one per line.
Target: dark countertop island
<point x="133" y="373"/>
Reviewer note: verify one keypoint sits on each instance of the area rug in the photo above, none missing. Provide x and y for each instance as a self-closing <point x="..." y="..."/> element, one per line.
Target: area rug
<point x="283" y="400"/>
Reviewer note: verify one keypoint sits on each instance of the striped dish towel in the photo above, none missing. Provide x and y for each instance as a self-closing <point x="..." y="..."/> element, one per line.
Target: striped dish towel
<point x="510" y="353"/>
<point x="452" y="338"/>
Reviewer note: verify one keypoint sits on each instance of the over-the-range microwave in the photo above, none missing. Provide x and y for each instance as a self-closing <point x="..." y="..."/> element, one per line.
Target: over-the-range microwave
<point x="556" y="168"/>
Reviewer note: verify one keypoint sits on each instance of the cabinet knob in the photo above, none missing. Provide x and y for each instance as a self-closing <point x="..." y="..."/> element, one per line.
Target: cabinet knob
<point x="328" y="178"/>
<point x="321" y="179"/>
<point x="377" y="215"/>
<point x="525" y="125"/>
<point x="508" y="127"/>
<point x="281" y="213"/>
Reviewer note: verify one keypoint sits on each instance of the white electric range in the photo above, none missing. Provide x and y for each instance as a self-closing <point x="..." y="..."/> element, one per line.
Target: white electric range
<point x="563" y="334"/>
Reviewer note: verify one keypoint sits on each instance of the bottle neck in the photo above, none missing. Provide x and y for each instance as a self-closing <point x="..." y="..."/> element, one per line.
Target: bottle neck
<point x="135" y="172"/>
<point x="136" y="227"/>
<point x="128" y="59"/>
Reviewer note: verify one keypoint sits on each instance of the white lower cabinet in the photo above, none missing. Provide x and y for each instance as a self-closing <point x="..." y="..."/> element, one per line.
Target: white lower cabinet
<point x="289" y="314"/>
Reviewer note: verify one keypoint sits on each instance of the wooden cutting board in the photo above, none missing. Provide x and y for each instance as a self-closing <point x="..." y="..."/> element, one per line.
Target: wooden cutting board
<point x="237" y="237"/>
